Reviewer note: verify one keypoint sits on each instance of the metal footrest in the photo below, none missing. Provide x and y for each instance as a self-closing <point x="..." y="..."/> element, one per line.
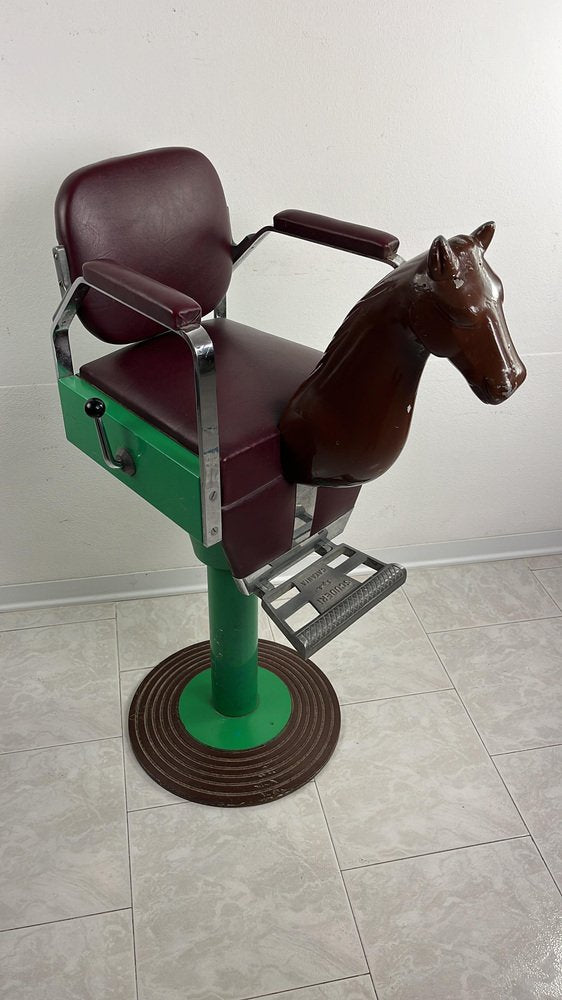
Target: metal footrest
<point x="321" y="600"/>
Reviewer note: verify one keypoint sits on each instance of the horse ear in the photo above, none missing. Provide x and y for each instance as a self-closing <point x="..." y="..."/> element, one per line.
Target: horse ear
<point x="442" y="262"/>
<point x="483" y="235"/>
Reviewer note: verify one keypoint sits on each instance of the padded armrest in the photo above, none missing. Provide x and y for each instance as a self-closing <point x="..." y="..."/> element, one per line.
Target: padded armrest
<point x="159" y="302"/>
<point x="332" y="233"/>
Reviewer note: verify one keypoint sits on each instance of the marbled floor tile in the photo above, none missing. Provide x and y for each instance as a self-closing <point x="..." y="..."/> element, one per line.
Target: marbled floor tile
<point x="142" y="790"/>
<point x="59" y="684"/>
<point x="385" y="653"/>
<point x="410" y="776"/>
<point x="510" y="679"/>
<point x="551" y="580"/>
<point x="484" y="923"/>
<point x="57" y="615"/>
<point x="534" y="778"/>
<point x="153" y="628"/>
<point x="544" y="562"/>
<point x="360" y="988"/>
<point x="89" y="958"/>
<point x="63" y="833"/>
<point x="233" y="903"/>
<point x="449" y="597"/>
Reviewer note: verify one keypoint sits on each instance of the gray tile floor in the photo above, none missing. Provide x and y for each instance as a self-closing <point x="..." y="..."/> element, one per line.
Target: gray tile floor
<point x="425" y="862"/>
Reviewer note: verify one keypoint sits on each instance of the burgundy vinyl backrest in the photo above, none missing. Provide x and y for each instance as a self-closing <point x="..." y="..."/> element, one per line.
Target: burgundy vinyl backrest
<point x="161" y="212"/>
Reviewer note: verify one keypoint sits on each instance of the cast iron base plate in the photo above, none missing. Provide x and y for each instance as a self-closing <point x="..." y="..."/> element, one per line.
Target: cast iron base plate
<point x="201" y="773"/>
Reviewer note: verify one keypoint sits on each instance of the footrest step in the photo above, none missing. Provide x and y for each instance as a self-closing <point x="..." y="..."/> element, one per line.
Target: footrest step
<point x="321" y="600"/>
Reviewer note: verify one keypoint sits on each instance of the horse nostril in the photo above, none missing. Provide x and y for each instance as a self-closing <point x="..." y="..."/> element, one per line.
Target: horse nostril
<point x="506" y="387"/>
<point x="498" y="390"/>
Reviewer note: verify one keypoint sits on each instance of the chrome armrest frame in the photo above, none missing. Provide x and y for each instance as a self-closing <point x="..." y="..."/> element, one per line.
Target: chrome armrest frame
<point x="204" y="372"/>
<point x="242" y="249"/>
<point x="249" y="243"/>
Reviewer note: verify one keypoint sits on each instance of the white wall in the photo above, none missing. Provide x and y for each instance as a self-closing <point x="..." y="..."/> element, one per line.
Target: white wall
<point x="419" y="118"/>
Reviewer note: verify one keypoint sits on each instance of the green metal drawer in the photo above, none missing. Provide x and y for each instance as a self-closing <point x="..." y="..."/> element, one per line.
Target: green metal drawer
<point x="167" y="474"/>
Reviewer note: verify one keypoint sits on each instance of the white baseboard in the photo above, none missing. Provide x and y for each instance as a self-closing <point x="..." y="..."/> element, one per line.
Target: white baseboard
<point x="161" y="583"/>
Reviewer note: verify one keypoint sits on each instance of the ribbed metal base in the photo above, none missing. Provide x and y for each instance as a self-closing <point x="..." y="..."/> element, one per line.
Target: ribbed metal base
<point x="200" y="773"/>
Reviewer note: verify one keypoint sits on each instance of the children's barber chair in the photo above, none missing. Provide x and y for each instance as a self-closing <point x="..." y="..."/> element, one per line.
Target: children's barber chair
<point x="186" y="415"/>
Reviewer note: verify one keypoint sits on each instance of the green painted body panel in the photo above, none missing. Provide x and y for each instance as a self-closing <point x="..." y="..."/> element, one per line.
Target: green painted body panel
<point x="167" y="474"/>
<point x="205" y="724"/>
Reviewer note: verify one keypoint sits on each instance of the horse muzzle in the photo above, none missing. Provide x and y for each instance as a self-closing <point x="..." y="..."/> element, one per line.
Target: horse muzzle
<point x="496" y="390"/>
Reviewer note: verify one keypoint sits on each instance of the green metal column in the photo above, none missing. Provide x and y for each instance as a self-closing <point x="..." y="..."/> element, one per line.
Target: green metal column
<point x="233" y="622"/>
<point x="234" y="704"/>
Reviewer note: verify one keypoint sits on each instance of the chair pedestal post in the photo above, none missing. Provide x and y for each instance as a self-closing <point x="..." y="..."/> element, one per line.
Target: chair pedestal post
<point x="233" y="625"/>
<point x="236" y="721"/>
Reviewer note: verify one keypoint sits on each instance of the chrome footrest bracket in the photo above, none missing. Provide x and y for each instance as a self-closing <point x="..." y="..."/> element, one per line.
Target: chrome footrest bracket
<point x="323" y="599"/>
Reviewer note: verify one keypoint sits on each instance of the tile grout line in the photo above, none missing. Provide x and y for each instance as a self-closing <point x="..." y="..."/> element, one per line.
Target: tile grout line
<point x="123" y="738"/>
<point x="161" y="805"/>
<point x="351" y="910"/>
<point x="430" y="854"/>
<point x="311" y="986"/>
<point x="537" y="848"/>
<point x="541" y="584"/>
<point x="55" y="746"/>
<point x="64" y="920"/>
<point x="515" y="621"/>
<point x="394" y="697"/>
<point x="506" y="753"/>
<point x="494" y="765"/>
<point x="28" y="628"/>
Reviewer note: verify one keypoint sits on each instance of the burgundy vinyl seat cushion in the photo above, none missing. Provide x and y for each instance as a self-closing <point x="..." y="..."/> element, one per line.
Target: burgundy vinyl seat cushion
<point x="256" y="375"/>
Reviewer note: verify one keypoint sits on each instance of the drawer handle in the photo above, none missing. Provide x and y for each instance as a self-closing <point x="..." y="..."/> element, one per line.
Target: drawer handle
<point x="123" y="460"/>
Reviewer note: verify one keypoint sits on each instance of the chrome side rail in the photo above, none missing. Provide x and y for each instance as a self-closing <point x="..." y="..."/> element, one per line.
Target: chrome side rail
<point x="305" y="503"/>
<point x="65" y="313"/>
<point x="395" y="261"/>
<point x="204" y="373"/>
<point x="219" y="311"/>
<point x="240" y="250"/>
<point x="62" y="269"/>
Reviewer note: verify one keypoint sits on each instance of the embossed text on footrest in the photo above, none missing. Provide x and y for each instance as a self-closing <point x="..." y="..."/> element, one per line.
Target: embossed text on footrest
<point x="319" y="602"/>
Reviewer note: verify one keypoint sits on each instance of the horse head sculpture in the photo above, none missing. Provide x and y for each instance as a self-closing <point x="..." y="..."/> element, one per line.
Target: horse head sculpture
<point x="349" y="420"/>
<point x="458" y="315"/>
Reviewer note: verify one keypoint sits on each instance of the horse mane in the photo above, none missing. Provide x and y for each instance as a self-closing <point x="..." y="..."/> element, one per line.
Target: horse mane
<point x="355" y="313"/>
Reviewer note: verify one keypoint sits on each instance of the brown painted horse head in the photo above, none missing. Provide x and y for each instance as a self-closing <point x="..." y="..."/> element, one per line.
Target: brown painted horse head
<point x="457" y="314"/>
<point x="349" y="420"/>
